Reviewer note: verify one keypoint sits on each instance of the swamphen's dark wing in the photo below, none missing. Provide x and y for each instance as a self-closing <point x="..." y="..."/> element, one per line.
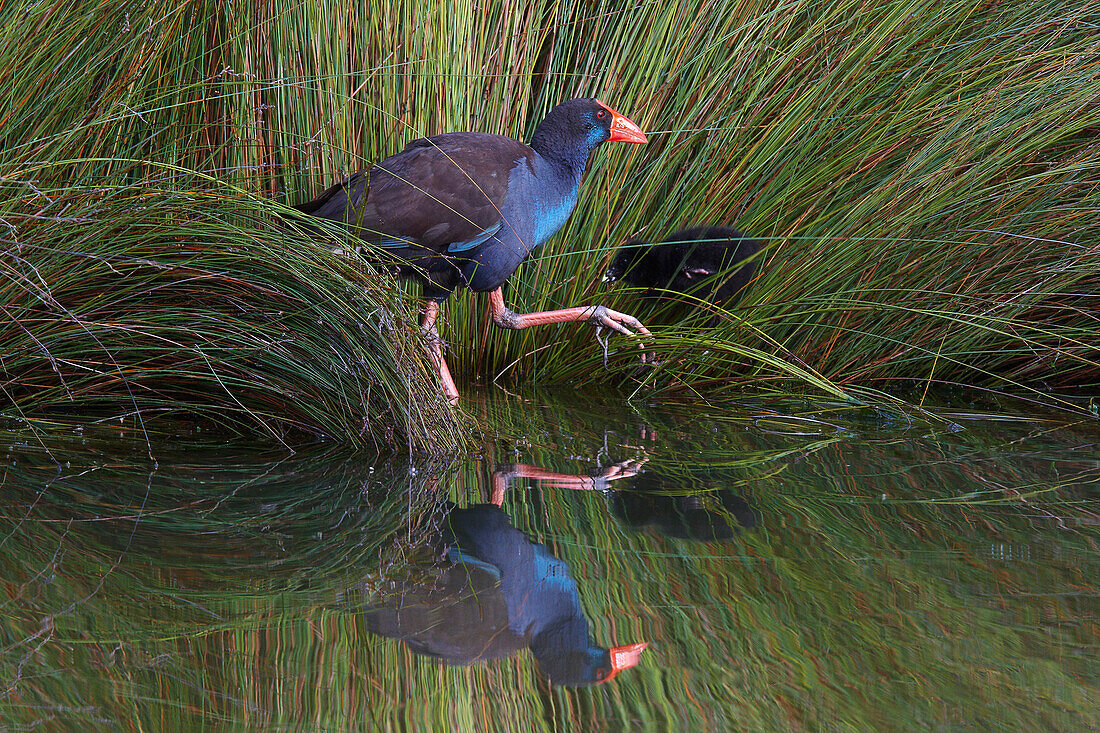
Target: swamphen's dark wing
<point x="440" y="195"/>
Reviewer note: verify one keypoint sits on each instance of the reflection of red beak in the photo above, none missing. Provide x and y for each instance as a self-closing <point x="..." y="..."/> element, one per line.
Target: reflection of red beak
<point x="625" y="657"/>
<point x="622" y="129"/>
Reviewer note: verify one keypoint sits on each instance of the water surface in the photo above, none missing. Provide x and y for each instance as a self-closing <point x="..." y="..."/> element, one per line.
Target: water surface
<point x="792" y="566"/>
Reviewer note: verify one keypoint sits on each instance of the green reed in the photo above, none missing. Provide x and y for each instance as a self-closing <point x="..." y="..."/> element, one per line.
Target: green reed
<point x="923" y="176"/>
<point x="142" y="279"/>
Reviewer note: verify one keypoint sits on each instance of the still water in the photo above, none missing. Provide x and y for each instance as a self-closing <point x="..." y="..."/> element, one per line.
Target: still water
<point x="592" y="566"/>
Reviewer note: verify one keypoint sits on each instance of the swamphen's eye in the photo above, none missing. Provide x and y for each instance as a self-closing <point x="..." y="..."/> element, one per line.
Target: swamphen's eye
<point x="601" y="114"/>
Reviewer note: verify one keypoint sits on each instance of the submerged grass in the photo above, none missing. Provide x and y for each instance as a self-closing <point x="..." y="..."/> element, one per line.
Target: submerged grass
<point x="924" y="176"/>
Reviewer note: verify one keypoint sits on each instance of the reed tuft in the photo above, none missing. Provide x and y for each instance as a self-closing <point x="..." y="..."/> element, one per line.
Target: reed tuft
<point x="141" y="279"/>
<point x="923" y="175"/>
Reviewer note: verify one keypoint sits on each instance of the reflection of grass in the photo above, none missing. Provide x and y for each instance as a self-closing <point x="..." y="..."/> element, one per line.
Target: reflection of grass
<point x="841" y="610"/>
<point x="867" y="615"/>
<point x="780" y="632"/>
<point x="127" y="578"/>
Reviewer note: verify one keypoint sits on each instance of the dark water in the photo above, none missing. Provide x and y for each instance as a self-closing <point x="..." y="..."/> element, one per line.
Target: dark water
<point x="791" y="567"/>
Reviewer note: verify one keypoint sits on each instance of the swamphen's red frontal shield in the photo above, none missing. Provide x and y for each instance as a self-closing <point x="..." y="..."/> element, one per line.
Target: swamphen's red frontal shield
<point x="464" y="209"/>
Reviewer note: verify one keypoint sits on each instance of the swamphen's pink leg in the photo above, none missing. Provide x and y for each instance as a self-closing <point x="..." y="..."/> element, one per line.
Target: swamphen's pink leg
<point x="435" y="348"/>
<point x="595" y="314"/>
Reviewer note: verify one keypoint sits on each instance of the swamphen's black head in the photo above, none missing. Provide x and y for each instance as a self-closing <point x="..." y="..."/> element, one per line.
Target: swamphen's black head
<point x="576" y="127"/>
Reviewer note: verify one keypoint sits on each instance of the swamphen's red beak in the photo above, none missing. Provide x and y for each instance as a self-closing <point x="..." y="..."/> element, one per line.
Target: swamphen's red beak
<point x="622" y="129"/>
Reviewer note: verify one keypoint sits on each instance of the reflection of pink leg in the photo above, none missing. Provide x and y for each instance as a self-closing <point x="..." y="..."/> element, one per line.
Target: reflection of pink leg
<point x="503" y="478"/>
<point x="435" y="348"/>
<point x="557" y="480"/>
<point x="595" y="314"/>
<point x="499" y="487"/>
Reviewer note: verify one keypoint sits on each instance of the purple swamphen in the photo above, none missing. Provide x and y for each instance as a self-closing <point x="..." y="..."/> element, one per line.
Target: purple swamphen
<point x="466" y="208"/>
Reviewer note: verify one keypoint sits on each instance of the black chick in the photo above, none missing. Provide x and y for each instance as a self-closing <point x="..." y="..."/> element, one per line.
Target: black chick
<point x="684" y="259"/>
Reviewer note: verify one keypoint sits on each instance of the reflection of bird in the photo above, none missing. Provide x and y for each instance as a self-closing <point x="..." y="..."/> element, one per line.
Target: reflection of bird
<point x="686" y="258"/>
<point x="717" y="515"/>
<point x="650" y="498"/>
<point x="500" y="593"/>
<point x="466" y="208"/>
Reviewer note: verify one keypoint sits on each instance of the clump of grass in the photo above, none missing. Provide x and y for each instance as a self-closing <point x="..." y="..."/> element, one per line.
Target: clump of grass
<point x="924" y="175"/>
<point x="138" y="282"/>
<point x="134" y="304"/>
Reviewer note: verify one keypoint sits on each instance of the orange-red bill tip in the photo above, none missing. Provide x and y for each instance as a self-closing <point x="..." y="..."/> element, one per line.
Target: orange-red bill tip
<point x="622" y="129"/>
